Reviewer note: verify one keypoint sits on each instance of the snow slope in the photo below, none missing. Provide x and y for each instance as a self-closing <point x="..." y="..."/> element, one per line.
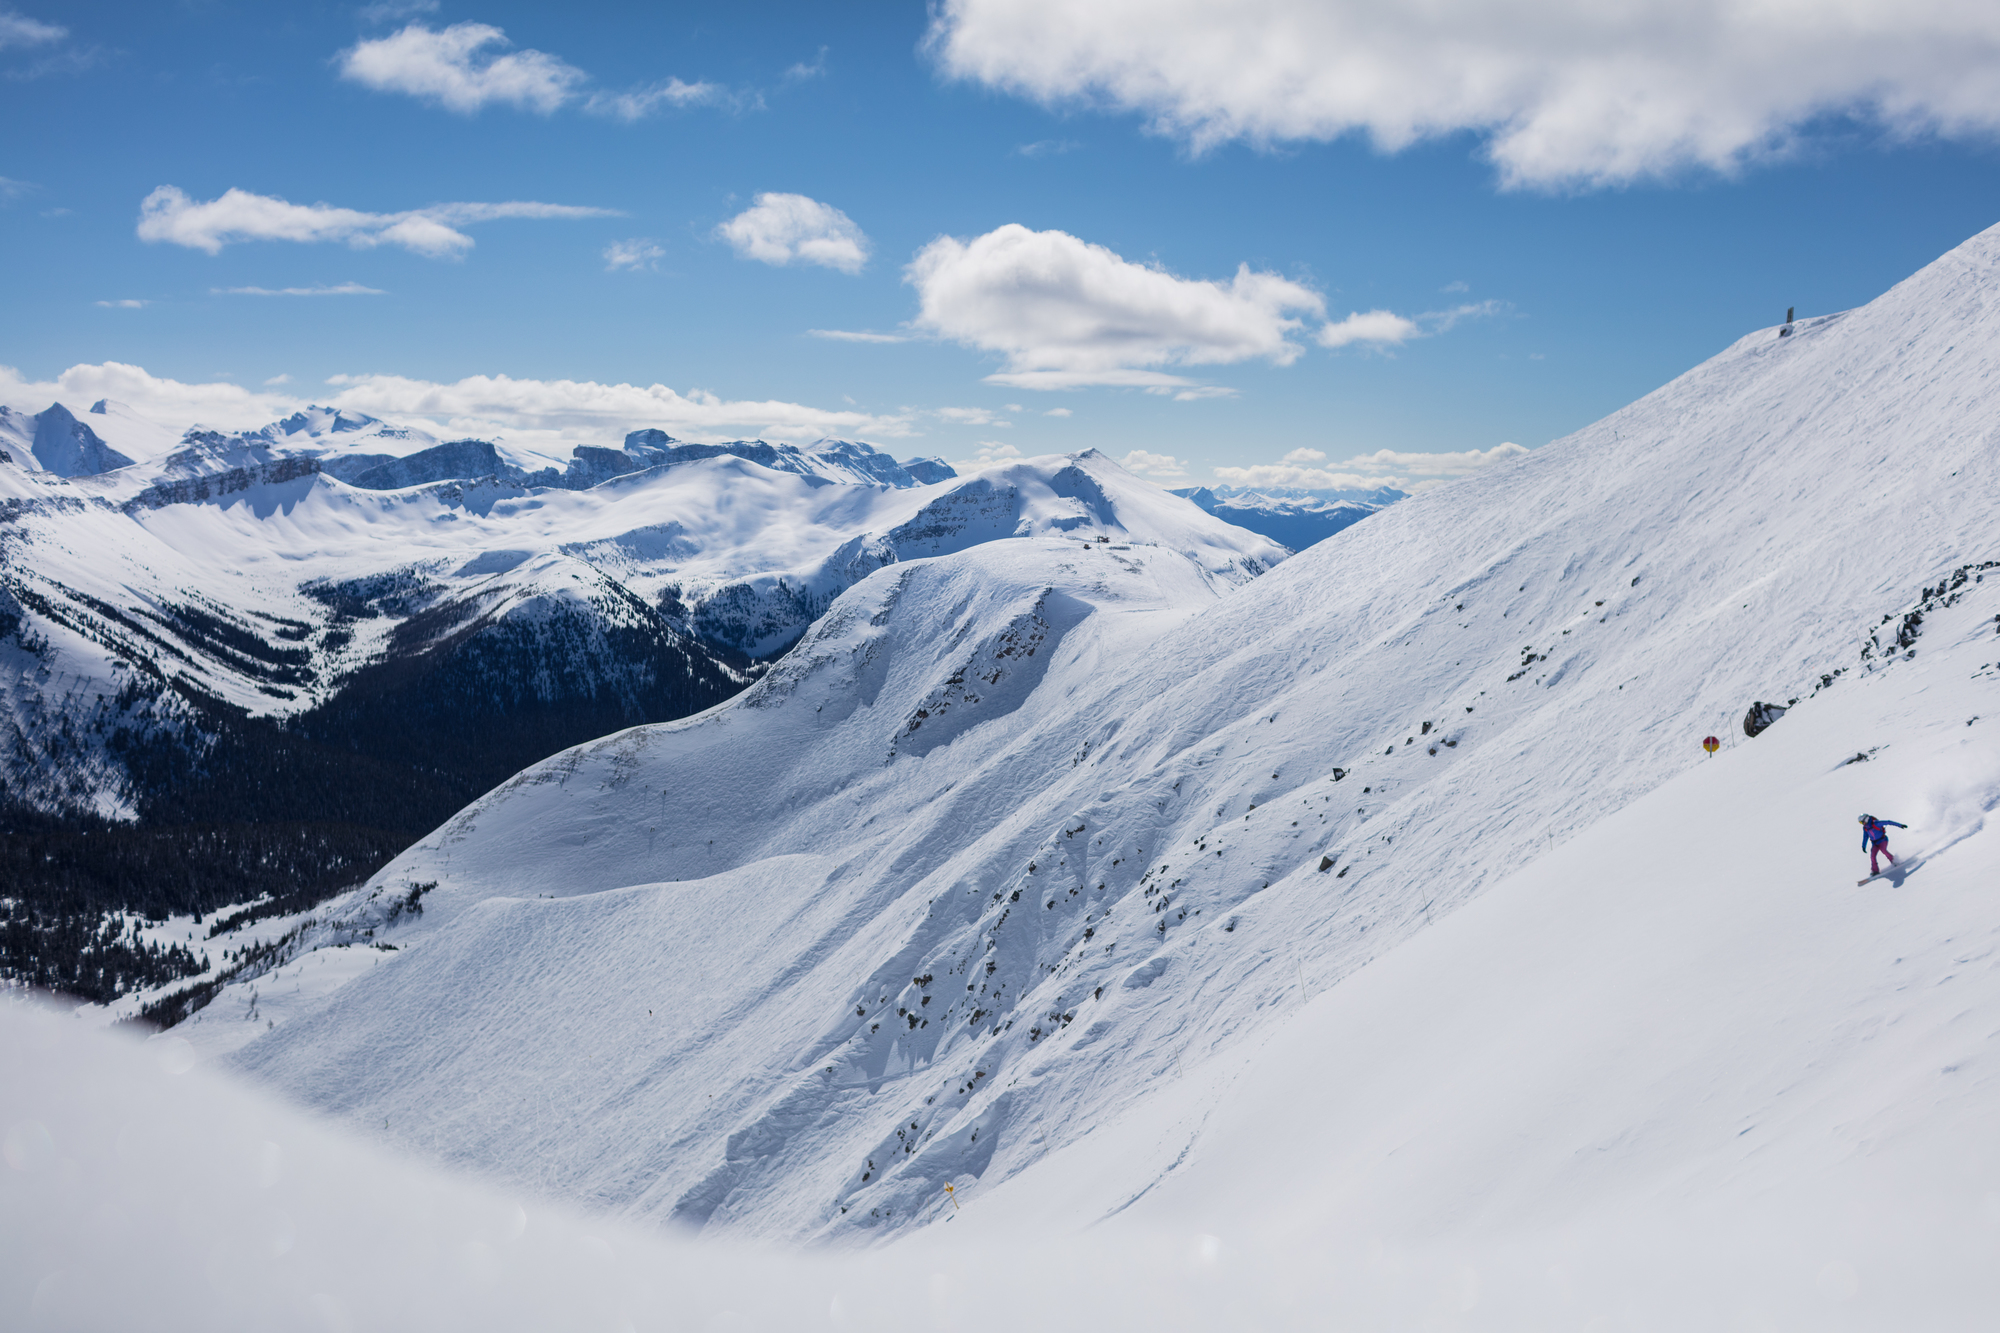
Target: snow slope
<point x="912" y="911"/>
<point x="1619" y="1090"/>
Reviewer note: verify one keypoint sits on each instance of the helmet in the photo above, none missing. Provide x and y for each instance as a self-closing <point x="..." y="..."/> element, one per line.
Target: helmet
<point x="1863" y="819"/>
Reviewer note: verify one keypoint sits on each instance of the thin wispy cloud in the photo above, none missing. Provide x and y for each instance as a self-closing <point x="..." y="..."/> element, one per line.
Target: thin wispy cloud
<point x="169" y="215"/>
<point x="395" y="11"/>
<point x="637" y="254"/>
<point x="337" y="289"/>
<point x="793" y="229"/>
<point x="467" y="67"/>
<point x="10" y="190"/>
<point x="642" y="102"/>
<point x="1047" y="148"/>
<point x="802" y="71"/>
<point x="128" y="303"/>
<point x="18" y="31"/>
<point x="858" y="336"/>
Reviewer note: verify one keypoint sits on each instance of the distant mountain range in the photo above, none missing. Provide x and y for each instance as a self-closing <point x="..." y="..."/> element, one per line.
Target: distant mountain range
<point x="257" y="664"/>
<point x="1298" y="519"/>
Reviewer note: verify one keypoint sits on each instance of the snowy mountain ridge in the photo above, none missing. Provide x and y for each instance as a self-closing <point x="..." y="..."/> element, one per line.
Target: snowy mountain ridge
<point x="821" y="965"/>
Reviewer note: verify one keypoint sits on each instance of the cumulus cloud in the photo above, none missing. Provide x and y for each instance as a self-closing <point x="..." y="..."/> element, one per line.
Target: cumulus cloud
<point x="18" y="30"/>
<point x="1066" y="313"/>
<point x="988" y="453"/>
<point x="168" y="214"/>
<point x="336" y="289"/>
<point x="791" y="228"/>
<point x="1564" y="93"/>
<point x="469" y="66"/>
<point x="1058" y="412"/>
<point x="635" y="254"/>
<point x="462" y="68"/>
<point x="857" y="336"/>
<point x="1161" y="467"/>
<point x="169" y="402"/>
<point x="1405" y="470"/>
<point x="1374" y="326"/>
<point x="276" y="380"/>
<point x="129" y="303"/>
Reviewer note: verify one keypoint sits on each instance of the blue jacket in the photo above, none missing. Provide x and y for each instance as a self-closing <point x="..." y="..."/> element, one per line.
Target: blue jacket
<point x="1872" y="832"/>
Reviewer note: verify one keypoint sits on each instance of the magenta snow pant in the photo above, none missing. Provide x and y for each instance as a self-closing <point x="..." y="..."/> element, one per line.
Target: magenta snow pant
<point x="1876" y="849"/>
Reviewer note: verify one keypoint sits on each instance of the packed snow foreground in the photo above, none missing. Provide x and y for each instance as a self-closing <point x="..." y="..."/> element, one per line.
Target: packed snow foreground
<point x="1368" y="945"/>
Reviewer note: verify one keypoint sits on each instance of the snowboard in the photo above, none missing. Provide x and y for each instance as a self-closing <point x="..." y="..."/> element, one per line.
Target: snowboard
<point x="1907" y="863"/>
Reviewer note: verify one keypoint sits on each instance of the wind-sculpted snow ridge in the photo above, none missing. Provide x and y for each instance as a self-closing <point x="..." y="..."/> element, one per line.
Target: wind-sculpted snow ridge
<point x="788" y="968"/>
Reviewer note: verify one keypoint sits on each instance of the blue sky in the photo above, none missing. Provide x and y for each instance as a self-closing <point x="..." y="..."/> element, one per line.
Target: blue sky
<point x="1530" y="263"/>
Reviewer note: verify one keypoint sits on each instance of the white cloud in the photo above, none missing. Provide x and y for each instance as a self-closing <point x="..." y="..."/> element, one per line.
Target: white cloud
<point x="129" y="303"/>
<point x="802" y="70"/>
<point x="1405" y="470"/>
<point x="169" y="402"/>
<point x="635" y="254"/>
<point x="1058" y="412"/>
<point x="787" y="228"/>
<point x="10" y="190"/>
<point x="167" y="214"/>
<point x="1565" y="93"/>
<point x="276" y="380"/>
<point x="1441" y="321"/>
<point x="643" y="102"/>
<point x="337" y="289"/>
<point x="552" y="413"/>
<point x="20" y="30"/>
<point x="1375" y="326"/>
<point x="1163" y="467"/>
<point x="969" y="416"/>
<point x="988" y="453"/>
<point x="468" y="66"/>
<point x="461" y="68"/>
<point x="1455" y="287"/>
<point x="1048" y="148"/>
<point x="857" y="336"/>
<point x="583" y="409"/>
<point x="394" y="11"/>
<point x="1066" y="313"/>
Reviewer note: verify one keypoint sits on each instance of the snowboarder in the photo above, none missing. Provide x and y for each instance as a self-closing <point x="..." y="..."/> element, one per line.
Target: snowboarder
<point x="1875" y="841"/>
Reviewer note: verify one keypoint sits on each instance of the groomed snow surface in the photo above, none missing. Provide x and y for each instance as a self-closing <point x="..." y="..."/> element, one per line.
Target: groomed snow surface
<point x="1368" y="945"/>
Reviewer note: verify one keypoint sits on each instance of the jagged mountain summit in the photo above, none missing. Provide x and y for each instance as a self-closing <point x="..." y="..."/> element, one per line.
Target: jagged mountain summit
<point x="58" y="443"/>
<point x="231" y="633"/>
<point x="1020" y="831"/>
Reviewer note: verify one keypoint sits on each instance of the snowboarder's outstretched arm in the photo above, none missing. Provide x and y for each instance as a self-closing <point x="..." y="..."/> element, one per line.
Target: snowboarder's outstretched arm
<point x="1893" y="824"/>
